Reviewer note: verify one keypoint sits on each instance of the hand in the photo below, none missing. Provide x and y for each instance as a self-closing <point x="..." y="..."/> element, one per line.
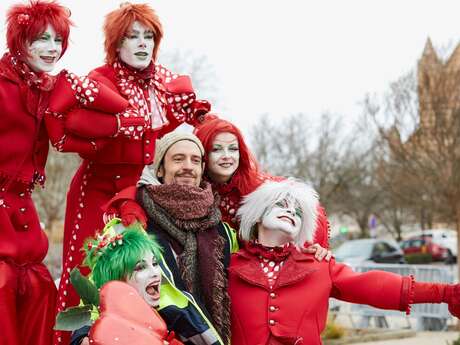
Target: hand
<point x="171" y="339"/>
<point x="130" y="212"/>
<point x="85" y="341"/>
<point x="452" y="298"/>
<point x="320" y="252"/>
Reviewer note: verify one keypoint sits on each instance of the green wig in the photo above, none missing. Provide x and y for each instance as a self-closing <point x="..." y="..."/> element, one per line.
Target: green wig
<point x="114" y="253"/>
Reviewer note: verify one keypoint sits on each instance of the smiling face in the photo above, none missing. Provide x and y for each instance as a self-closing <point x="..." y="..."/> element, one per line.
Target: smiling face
<point x="136" y="48"/>
<point x="224" y="158"/>
<point x="182" y="164"/>
<point x="146" y="279"/>
<point x="284" y="216"/>
<point x="44" y="51"/>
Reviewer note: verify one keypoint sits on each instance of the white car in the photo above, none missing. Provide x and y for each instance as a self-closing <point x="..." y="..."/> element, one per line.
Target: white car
<point x="443" y="237"/>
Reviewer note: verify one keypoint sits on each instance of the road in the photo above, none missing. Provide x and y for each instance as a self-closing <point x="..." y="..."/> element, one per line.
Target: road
<point x="422" y="338"/>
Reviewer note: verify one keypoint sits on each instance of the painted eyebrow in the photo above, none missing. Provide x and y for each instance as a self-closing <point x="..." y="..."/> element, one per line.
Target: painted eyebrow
<point x="235" y="142"/>
<point x="138" y="32"/>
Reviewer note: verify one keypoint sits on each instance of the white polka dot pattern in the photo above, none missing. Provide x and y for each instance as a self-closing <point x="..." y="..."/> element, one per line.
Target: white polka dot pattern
<point x="86" y="89"/>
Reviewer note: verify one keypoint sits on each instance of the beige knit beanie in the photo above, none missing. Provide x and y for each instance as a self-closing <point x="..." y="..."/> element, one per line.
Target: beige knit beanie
<point x="162" y="145"/>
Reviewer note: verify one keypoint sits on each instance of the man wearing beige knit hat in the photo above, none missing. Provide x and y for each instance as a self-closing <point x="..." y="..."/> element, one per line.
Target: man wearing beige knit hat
<point x="179" y="159"/>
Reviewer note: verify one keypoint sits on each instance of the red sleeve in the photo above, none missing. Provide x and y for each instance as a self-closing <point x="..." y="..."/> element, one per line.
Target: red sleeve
<point x="183" y="105"/>
<point x="67" y="142"/>
<point x="384" y="290"/>
<point x="89" y="123"/>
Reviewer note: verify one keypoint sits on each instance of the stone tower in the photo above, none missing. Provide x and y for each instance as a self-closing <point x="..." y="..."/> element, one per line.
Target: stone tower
<point x="438" y="87"/>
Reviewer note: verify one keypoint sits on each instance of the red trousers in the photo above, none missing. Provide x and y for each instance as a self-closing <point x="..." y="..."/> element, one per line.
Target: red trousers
<point x="27" y="291"/>
<point x="92" y="186"/>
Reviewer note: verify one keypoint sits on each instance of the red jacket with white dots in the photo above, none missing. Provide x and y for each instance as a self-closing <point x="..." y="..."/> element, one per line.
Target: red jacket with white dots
<point x="115" y="124"/>
<point x="294" y="311"/>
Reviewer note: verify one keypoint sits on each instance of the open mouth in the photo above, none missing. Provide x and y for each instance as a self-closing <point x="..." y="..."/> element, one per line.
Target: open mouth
<point x="141" y="54"/>
<point x="285" y="218"/>
<point x="153" y="289"/>
<point x="48" y="59"/>
<point x="226" y="165"/>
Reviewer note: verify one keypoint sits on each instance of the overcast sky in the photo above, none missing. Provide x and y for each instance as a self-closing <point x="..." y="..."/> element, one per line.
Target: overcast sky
<point x="284" y="57"/>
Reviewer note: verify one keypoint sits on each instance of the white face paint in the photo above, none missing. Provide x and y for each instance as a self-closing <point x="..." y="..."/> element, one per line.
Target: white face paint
<point x="224" y="158"/>
<point x="286" y="216"/>
<point x="136" y="48"/>
<point x="45" y="51"/>
<point x="146" y="279"/>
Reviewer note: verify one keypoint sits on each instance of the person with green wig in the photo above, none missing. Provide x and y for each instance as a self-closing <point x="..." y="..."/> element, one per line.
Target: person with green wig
<point x="131" y="255"/>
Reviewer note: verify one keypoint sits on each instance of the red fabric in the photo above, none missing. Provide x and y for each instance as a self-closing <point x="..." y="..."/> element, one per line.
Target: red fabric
<point x="125" y="318"/>
<point x="27" y="301"/>
<point x="91" y="187"/>
<point x="130" y="212"/>
<point x="27" y="292"/>
<point x="110" y="165"/>
<point x="23" y="138"/>
<point x="87" y="123"/>
<point x="21" y="236"/>
<point x="297" y="303"/>
<point x="438" y="293"/>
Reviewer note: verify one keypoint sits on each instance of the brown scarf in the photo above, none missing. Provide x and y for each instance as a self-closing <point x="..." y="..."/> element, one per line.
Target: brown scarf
<point x="190" y="216"/>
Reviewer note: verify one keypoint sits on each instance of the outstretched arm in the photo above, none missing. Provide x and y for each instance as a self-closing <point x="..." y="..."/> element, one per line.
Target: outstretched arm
<point x="387" y="290"/>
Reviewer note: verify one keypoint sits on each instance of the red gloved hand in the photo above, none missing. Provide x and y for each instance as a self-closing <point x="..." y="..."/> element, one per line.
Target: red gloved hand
<point x="438" y="293"/>
<point x="171" y="339"/>
<point x="452" y="298"/>
<point x="200" y="109"/>
<point x="130" y="212"/>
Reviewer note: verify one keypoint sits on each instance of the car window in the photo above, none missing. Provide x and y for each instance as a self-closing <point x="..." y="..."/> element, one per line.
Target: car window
<point x="354" y="249"/>
<point x="382" y="247"/>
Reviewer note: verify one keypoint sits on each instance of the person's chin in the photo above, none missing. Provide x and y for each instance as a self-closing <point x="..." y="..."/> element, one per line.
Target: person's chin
<point x="186" y="181"/>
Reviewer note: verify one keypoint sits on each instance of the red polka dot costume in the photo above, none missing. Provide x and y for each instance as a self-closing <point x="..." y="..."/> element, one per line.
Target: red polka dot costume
<point x="112" y="119"/>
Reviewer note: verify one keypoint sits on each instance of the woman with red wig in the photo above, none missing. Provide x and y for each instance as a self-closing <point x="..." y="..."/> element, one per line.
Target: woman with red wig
<point x="37" y="35"/>
<point x="112" y="119"/>
<point x="234" y="172"/>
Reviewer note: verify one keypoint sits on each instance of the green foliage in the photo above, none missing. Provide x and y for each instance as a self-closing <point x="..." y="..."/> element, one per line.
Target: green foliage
<point x="84" y="287"/>
<point x="419" y="258"/>
<point x="455" y="342"/>
<point x="73" y="318"/>
<point x="333" y="330"/>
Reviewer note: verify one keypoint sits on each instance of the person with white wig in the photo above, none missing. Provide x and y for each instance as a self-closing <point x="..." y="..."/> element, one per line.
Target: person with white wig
<point x="280" y="295"/>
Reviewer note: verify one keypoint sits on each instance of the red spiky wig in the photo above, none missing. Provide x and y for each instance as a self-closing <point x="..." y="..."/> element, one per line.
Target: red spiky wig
<point x="248" y="176"/>
<point x="26" y="22"/>
<point x="118" y="22"/>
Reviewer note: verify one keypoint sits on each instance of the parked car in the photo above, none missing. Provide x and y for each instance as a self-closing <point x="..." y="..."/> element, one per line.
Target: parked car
<point x="425" y="245"/>
<point x="446" y="238"/>
<point x="356" y="252"/>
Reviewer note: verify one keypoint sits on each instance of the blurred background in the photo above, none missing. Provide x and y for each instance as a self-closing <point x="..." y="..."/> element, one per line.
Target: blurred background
<point x="360" y="98"/>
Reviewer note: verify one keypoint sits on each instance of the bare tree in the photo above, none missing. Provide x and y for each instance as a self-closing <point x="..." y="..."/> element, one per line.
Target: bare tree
<point x="419" y="127"/>
<point x="198" y="67"/>
<point x="340" y="167"/>
<point x="51" y="200"/>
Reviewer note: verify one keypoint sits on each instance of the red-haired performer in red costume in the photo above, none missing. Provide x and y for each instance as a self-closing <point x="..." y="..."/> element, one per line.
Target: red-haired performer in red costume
<point x="37" y="35"/>
<point x="123" y="107"/>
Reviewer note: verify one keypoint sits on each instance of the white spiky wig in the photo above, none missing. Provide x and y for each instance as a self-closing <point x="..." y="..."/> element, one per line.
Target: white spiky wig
<point x="256" y="204"/>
